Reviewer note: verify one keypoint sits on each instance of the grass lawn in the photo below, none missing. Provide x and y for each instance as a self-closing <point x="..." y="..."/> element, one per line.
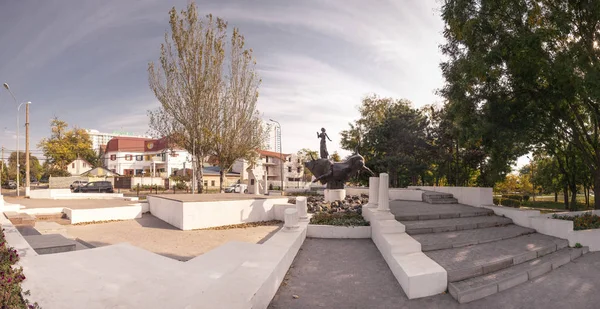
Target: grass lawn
<point x="547" y="202"/>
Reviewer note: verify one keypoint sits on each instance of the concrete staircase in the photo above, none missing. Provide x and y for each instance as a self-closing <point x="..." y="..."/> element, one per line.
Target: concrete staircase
<point x="19" y="219"/>
<point x="432" y="197"/>
<point x="482" y="253"/>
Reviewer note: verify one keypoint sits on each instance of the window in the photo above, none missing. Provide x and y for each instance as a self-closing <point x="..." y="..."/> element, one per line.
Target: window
<point x="84" y="165"/>
<point x="206" y="183"/>
<point x="72" y="165"/>
<point x="289" y="169"/>
<point x="298" y="160"/>
<point x="290" y="159"/>
<point x="139" y="172"/>
<point x="298" y="170"/>
<point x="139" y="158"/>
<point x="212" y="183"/>
<point x="251" y="182"/>
<point x="113" y="157"/>
<point x="128" y="157"/>
<point x="267" y="159"/>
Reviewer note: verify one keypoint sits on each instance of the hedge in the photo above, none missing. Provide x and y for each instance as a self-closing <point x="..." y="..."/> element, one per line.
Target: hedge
<point x="517" y="197"/>
<point x="11" y="278"/>
<point x="510" y="203"/>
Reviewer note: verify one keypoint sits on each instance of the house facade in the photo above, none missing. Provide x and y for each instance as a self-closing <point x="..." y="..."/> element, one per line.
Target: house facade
<point x="144" y="156"/>
<point x="101" y="139"/>
<point x="268" y="170"/>
<point x="78" y="167"/>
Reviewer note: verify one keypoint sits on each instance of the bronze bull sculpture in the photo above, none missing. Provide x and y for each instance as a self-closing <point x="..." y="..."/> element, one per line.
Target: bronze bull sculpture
<point x="335" y="174"/>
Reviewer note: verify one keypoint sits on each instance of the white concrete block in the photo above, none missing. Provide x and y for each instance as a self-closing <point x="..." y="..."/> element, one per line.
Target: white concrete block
<point x="14" y="238"/>
<point x="388" y="226"/>
<point x="279" y="209"/>
<point x="421" y="275"/>
<point x="383" y="201"/>
<point x="290" y="218"/>
<point x="376" y="214"/>
<point x="103" y="214"/>
<point x="335" y="195"/>
<point x="330" y="231"/>
<point x="373" y="192"/>
<point x="405" y="194"/>
<point x="301" y="205"/>
<point x="400" y="243"/>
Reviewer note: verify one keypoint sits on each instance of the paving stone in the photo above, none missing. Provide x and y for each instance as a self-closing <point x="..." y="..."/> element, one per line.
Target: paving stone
<point x="449" y="215"/>
<point x="560" y="260"/>
<point x="429" y="217"/>
<point x="546" y="250"/>
<point x="498" y="265"/>
<point x="522" y="258"/>
<point x="540" y="270"/>
<point x="513" y="281"/>
<point x="586" y="249"/>
<point x="478" y="293"/>
<point x="443" y="229"/>
<point x="464" y="273"/>
<point x="576" y="252"/>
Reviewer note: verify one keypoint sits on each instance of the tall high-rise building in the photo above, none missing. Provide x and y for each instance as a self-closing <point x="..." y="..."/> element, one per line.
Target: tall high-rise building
<point x="100" y="140"/>
<point x="273" y="138"/>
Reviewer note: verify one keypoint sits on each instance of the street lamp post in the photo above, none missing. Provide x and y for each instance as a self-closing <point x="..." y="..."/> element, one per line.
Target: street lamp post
<point x="531" y="162"/>
<point x="280" y="155"/>
<point x="27" y="142"/>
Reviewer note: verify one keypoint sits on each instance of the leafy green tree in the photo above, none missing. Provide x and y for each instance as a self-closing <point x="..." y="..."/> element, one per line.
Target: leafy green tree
<point x="306" y="154"/>
<point x="526" y="71"/>
<point x="335" y="157"/>
<point x="35" y="171"/>
<point x="64" y="145"/>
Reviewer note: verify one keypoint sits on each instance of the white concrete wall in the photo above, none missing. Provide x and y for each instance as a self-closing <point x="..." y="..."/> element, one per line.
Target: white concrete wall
<point x="519" y="217"/>
<point x="104" y="214"/>
<point x="473" y="196"/>
<point x="405" y="194"/>
<point x="330" y="231"/>
<point x="48" y="193"/>
<point x="356" y="190"/>
<point x="146" y="181"/>
<point x="279" y="209"/>
<point x="197" y="215"/>
<point x="87" y="196"/>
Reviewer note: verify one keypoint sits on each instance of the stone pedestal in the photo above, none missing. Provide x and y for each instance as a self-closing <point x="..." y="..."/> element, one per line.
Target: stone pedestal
<point x="291" y="219"/>
<point x="373" y="192"/>
<point x="384" y="193"/>
<point x="335" y="195"/>
<point x="301" y="206"/>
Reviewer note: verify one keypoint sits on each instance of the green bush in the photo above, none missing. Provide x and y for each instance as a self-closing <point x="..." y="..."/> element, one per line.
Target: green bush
<point x="511" y="203"/>
<point x="525" y="198"/>
<point x="496" y="201"/>
<point x="339" y="219"/>
<point x="11" y="278"/>
<point x="585" y="221"/>
<point x="517" y="197"/>
<point x="181" y="186"/>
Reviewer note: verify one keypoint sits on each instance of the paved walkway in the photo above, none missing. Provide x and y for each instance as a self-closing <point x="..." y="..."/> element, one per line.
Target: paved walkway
<point x="155" y="235"/>
<point x="74" y="204"/>
<point x="335" y="273"/>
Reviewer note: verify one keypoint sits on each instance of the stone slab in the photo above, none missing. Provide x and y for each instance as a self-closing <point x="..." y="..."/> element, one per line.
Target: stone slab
<point x="414" y="210"/>
<point x="443" y="225"/>
<point x="388" y="226"/>
<point x="50" y="243"/>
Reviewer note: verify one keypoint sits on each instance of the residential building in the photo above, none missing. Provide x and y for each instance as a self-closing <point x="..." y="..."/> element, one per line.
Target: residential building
<point x="79" y="166"/>
<point x="273" y="137"/>
<point x="268" y="170"/>
<point x="212" y="177"/>
<point x="144" y="156"/>
<point x="100" y="139"/>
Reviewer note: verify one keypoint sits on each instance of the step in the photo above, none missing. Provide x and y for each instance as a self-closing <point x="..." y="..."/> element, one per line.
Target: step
<point x="472" y="261"/>
<point x="17" y="218"/>
<point x="456" y="239"/>
<point x="412" y="210"/>
<point x="443" y="201"/>
<point x="27" y="230"/>
<point x="50" y="243"/>
<point x="433" y="194"/>
<point x="49" y="217"/>
<point x="479" y="287"/>
<point x="454" y="224"/>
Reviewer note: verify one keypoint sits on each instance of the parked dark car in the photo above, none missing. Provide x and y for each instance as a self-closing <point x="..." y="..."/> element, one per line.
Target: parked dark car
<point x="11" y="184"/>
<point x="77" y="184"/>
<point x="96" y="186"/>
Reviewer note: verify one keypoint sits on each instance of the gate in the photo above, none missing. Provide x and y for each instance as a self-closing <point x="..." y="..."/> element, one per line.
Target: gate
<point x="122" y="182"/>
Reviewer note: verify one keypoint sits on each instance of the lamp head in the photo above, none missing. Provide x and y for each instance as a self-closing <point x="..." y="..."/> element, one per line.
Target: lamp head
<point x="28" y="102"/>
<point x="6" y="86"/>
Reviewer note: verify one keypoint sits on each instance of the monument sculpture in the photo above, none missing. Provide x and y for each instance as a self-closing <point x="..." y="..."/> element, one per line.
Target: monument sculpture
<point x="334" y="174"/>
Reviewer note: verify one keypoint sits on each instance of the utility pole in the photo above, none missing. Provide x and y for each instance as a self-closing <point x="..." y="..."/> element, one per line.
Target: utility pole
<point x="27" y="172"/>
<point x="2" y="169"/>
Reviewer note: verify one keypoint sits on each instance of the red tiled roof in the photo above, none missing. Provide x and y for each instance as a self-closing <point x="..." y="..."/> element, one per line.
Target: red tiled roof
<point x="267" y="153"/>
<point x="136" y="144"/>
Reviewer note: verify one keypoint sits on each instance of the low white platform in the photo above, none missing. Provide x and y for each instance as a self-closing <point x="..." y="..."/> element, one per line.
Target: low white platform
<point x="330" y="231"/>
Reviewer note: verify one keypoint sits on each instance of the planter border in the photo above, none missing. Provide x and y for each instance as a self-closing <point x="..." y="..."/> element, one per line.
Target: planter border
<point x="337" y="231"/>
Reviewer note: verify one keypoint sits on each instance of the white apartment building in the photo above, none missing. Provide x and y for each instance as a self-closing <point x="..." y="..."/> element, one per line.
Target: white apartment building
<point x="144" y="156"/>
<point x="273" y="138"/>
<point x="100" y="139"/>
<point x="268" y="169"/>
<point x="79" y="166"/>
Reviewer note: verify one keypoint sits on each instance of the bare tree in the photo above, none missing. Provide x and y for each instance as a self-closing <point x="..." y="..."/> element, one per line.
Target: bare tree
<point x="188" y="83"/>
<point x="239" y="132"/>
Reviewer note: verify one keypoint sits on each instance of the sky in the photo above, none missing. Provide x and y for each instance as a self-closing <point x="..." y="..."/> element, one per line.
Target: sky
<point x="86" y="61"/>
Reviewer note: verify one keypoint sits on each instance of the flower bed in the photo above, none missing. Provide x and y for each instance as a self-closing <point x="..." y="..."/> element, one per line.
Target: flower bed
<point x="339" y="219"/>
<point x="584" y="221"/>
<point x="11" y="278"/>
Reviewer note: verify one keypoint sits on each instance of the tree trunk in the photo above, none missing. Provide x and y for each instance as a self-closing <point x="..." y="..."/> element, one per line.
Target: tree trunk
<point x="566" y="197"/>
<point x="555" y="196"/>
<point x="573" y="197"/>
<point x="221" y="180"/>
<point x="596" y="189"/>
<point x="586" y="195"/>
<point x="200" y="172"/>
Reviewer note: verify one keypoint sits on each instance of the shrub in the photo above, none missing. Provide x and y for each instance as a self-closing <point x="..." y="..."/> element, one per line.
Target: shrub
<point x="181" y="186"/>
<point x="517" y="197"/>
<point x="339" y="219"/>
<point x="511" y="203"/>
<point x="585" y="221"/>
<point x="11" y="278"/>
<point x="496" y="201"/>
<point x="525" y="198"/>
<point x="578" y="245"/>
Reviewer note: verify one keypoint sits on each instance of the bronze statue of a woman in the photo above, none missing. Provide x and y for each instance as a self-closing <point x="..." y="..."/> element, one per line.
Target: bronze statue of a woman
<point x="324" y="154"/>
